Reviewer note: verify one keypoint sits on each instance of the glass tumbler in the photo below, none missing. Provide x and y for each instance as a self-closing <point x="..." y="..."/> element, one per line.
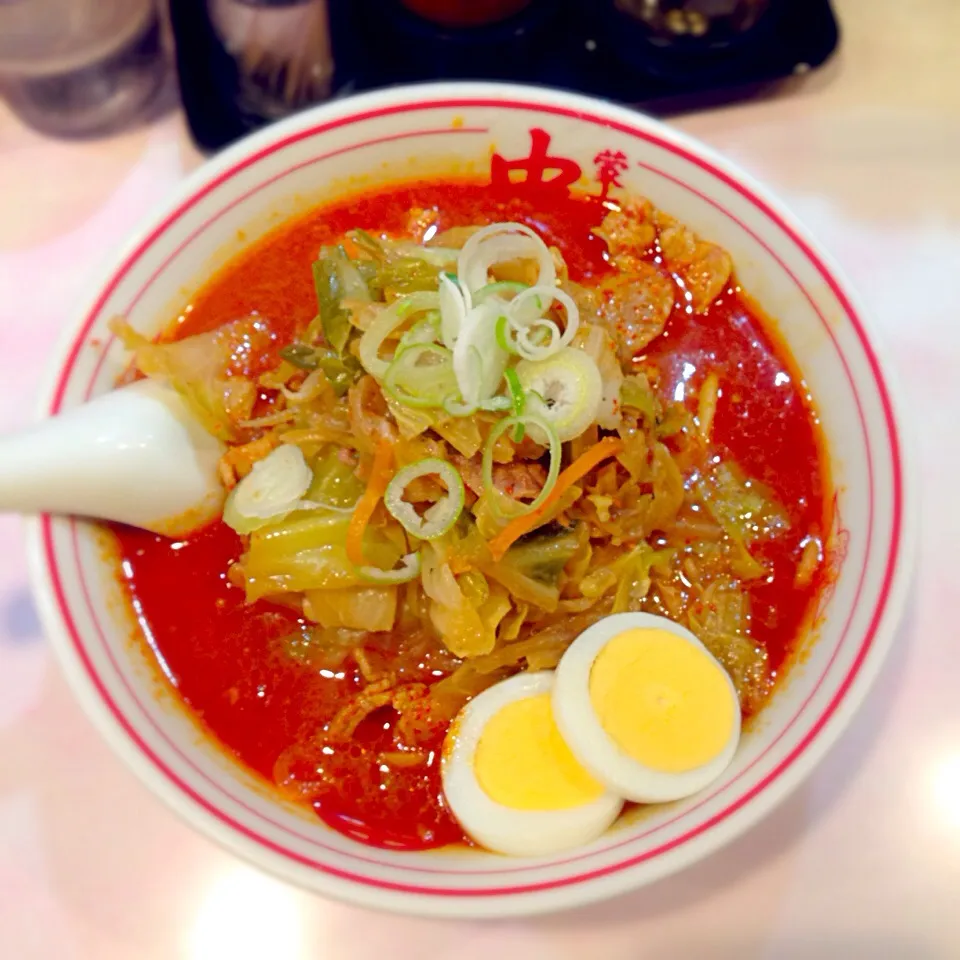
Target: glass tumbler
<point x="78" y="68"/>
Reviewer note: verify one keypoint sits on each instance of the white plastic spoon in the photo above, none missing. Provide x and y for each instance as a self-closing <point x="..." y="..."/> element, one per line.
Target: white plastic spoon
<point x="135" y="455"/>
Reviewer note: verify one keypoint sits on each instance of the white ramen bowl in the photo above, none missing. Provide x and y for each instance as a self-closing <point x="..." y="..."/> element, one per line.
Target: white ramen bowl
<point x="455" y="128"/>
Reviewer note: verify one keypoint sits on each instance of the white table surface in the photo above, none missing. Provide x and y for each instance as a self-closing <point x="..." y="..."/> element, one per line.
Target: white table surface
<point x="863" y="861"/>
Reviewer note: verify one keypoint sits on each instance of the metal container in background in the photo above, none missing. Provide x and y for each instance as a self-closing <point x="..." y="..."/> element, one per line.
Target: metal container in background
<point x="77" y="68"/>
<point x="710" y="21"/>
<point x="663" y="55"/>
<point x="675" y="40"/>
<point x="282" y="52"/>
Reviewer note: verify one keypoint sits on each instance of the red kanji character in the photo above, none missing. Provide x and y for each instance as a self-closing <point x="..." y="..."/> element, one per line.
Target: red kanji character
<point x="536" y="166"/>
<point x="609" y="167"/>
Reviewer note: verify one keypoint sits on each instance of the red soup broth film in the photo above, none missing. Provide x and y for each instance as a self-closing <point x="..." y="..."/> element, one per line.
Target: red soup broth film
<point x="231" y="662"/>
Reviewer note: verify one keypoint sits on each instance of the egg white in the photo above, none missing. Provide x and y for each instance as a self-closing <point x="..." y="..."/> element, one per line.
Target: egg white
<point x="502" y="829"/>
<point x="599" y="753"/>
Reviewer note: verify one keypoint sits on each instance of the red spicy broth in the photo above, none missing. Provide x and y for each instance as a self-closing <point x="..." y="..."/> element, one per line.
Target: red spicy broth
<point x="235" y="665"/>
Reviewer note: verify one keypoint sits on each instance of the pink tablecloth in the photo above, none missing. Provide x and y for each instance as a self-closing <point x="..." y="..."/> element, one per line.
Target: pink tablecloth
<point x="862" y="862"/>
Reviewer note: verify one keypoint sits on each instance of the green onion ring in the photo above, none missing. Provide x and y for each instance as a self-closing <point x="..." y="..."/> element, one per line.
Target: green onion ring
<point x="502" y="332"/>
<point x="553" y="472"/>
<point x="442" y="515"/>
<point x="439" y="375"/>
<point x="456" y="406"/>
<point x="518" y="400"/>
<point x="408" y="570"/>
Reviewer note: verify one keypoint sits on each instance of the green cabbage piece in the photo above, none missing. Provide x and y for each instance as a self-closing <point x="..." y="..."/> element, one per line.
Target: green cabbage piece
<point x="342" y="372"/>
<point x="746" y="510"/>
<point x="196" y="367"/>
<point x="532" y="567"/>
<point x="336" y="278"/>
<point x="307" y="551"/>
<point x="401" y="266"/>
<point x="636" y="392"/>
<point x="632" y="571"/>
<point x="462" y="433"/>
<point x="334" y="482"/>
<point x="721" y="619"/>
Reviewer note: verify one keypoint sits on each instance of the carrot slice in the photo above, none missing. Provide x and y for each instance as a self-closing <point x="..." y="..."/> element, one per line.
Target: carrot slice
<point x="376" y="487"/>
<point x="516" y="528"/>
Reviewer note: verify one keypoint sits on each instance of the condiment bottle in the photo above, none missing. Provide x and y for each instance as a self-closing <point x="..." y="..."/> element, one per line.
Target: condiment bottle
<point x="282" y="50"/>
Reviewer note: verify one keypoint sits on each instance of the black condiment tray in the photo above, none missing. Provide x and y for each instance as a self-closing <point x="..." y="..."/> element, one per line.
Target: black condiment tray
<point x="582" y="45"/>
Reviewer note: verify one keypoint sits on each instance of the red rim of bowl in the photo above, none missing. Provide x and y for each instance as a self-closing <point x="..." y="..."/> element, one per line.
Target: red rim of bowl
<point x="47" y="569"/>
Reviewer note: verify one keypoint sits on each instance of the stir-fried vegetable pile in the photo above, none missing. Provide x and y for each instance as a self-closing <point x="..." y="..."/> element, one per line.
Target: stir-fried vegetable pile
<point x="462" y="454"/>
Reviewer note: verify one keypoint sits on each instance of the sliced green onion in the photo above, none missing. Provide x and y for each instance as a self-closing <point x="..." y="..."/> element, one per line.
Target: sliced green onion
<point x="340" y="371"/>
<point x="538" y="340"/>
<point x="518" y="400"/>
<point x="386" y="323"/>
<point x="421" y="375"/>
<point x="501" y="243"/>
<point x="426" y="330"/>
<point x="435" y="256"/>
<point x="453" y="309"/>
<point x="456" y="406"/>
<point x="478" y="360"/>
<point x="439" y="518"/>
<point x="497" y="404"/>
<point x="239" y="523"/>
<point x="504" y="335"/>
<point x="335" y="277"/>
<point x="301" y="355"/>
<point x="565" y="390"/>
<point x="272" y="489"/>
<point x="504" y="289"/>
<point x="526" y="318"/>
<point x="408" y="570"/>
<point x="310" y="389"/>
<point x="597" y="344"/>
<point x="545" y="429"/>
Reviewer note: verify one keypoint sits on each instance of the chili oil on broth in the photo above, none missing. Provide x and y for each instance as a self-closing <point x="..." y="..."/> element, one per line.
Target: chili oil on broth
<point x="765" y="420"/>
<point x="241" y="670"/>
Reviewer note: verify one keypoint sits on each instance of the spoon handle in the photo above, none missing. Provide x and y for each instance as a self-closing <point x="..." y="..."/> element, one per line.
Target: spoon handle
<point x="134" y="455"/>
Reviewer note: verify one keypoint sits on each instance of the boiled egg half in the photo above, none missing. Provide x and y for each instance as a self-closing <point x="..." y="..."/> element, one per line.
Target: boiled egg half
<point x="646" y="708"/>
<point x="512" y="781"/>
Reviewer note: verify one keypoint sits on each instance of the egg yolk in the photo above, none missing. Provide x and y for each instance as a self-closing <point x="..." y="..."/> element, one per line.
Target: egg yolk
<point x="665" y="702"/>
<point x="522" y="762"/>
